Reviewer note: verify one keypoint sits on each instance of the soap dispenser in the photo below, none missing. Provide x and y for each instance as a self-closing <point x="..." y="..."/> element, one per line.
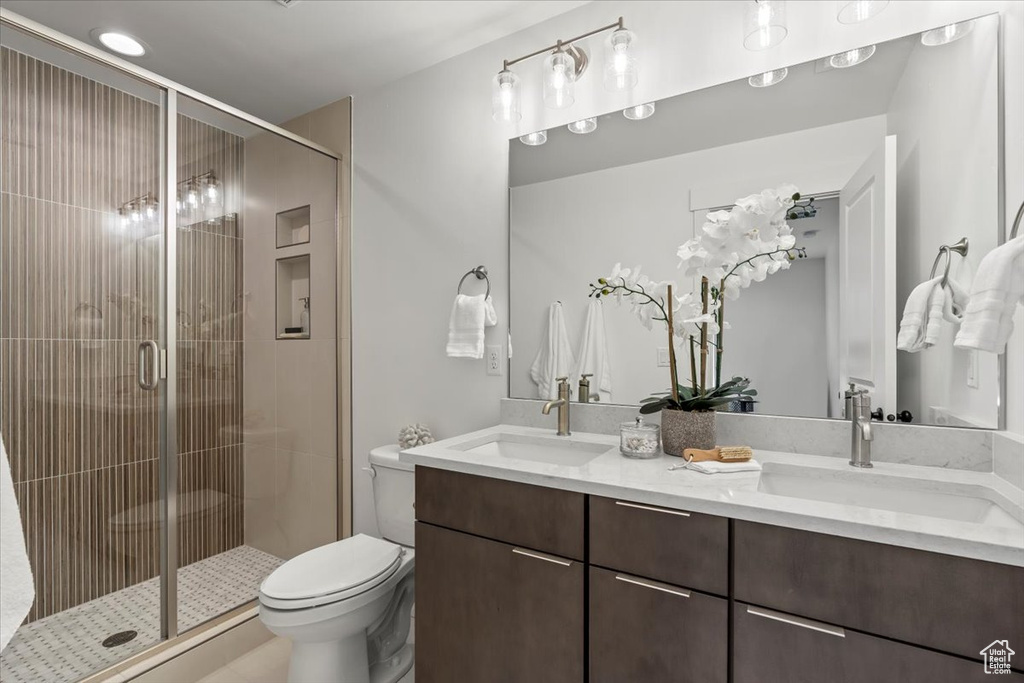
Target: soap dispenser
<point x="304" y="315"/>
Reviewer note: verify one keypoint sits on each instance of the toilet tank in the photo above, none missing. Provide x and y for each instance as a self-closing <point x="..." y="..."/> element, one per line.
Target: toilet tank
<point x="394" y="495"/>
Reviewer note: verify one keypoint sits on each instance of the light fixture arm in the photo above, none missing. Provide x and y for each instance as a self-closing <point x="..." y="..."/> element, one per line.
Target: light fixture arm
<point x="559" y="44"/>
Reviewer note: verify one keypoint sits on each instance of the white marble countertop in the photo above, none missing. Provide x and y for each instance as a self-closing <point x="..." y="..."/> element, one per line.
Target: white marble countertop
<point x="736" y="495"/>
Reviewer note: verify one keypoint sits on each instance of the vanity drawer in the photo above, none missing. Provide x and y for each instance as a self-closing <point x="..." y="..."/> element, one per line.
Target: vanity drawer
<point x="653" y="632"/>
<point x="774" y="646"/>
<point x="948" y="603"/>
<point x="535" y="517"/>
<point x="675" y="546"/>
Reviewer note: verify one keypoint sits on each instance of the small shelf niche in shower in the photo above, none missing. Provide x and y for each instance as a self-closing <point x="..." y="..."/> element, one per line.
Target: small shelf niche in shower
<point x="294" y="307"/>
<point x="293" y="227"/>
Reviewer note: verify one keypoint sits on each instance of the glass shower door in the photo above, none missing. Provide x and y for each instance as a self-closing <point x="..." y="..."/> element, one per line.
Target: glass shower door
<point x="81" y="328"/>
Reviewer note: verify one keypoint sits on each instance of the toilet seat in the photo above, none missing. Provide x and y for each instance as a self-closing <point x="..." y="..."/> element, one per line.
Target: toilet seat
<point x="331" y="573"/>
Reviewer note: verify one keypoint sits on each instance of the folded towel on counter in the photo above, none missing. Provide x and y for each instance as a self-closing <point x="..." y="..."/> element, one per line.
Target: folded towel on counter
<point x="922" y="317"/>
<point x="17" y="590"/>
<point x="470" y="315"/>
<point x="717" y="467"/>
<point x="592" y="358"/>
<point x="554" y="358"/>
<point x="997" y="289"/>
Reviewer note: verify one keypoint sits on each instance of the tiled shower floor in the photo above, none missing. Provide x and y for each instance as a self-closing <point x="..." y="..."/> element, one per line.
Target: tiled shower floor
<point x="67" y="646"/>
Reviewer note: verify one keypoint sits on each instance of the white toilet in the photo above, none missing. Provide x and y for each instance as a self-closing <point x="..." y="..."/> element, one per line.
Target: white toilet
<point x="347" y="606"/>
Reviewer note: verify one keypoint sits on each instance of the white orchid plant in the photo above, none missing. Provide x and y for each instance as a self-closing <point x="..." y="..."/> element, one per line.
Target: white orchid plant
<point x="735" y="248"/>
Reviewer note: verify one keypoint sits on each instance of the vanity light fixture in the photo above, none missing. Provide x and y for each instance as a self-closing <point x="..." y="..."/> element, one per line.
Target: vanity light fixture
<point x="764" y="24"/>
<point x="947" y="34"/>
<point x="620" y="70"/>
<point x="138" y="209"/>
<point x="564" y="64"/>
<point x="534" y="139"/>
<point x="845" y="60"/>
<point x="639" y="112"/>
<point x="768" y="78"/>
<point x="583" y="126"/>
<point x="859" y="10"/>
<point x="121" y="43"/>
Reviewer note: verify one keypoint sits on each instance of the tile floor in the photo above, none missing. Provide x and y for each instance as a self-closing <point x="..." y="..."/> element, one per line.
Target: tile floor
<point x="67" y="646"/>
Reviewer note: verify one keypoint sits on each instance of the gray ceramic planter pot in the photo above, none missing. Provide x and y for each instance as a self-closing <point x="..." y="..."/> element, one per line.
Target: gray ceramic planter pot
<point x="681" y="429"/>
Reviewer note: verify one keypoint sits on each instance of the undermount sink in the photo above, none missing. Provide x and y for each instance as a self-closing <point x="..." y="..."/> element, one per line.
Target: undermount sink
<point x="554" y="450"/>
<point x="974" y="504"/>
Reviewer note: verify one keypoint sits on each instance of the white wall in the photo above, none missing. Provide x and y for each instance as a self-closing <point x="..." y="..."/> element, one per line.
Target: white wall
<point x="430" y="185"/>
<point x="944" y="109"/>
<point x="568" y="232"/>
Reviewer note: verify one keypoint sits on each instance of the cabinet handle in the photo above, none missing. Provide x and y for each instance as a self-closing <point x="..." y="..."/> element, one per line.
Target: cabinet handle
<point x="664" y="588"/>
<point x="652" y="509"/>
<point x="542" y="556"/>
<point x="797" y="621"/>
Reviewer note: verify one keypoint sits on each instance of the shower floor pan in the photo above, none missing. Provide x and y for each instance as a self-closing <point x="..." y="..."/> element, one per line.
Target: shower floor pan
<point x="68" y="646"/>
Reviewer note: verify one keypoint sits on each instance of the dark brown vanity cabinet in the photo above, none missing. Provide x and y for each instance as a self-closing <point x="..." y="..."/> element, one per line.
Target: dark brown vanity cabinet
<point x="520" y="583"/>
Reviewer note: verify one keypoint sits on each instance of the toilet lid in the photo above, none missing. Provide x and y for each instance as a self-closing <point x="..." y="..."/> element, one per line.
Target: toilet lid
<point x="357" y="561"/>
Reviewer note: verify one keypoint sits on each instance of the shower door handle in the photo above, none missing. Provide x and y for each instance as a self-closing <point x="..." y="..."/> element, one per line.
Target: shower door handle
<point x="149" y="355"/>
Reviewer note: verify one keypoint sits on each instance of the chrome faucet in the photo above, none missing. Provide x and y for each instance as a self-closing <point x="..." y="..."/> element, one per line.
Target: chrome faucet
<point x="858" y="409"/>
<point x="563" y="406"/>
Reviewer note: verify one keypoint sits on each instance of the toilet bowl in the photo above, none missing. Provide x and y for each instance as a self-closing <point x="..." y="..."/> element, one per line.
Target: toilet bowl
<point x="347" y="606"/>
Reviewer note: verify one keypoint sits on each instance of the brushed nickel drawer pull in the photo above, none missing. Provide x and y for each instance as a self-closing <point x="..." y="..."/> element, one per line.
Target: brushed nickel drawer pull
<point x="664" y="588"/>
<point x="652" y="509"/>
<point x="797" y="621"/>
<point x="541" y="556"/>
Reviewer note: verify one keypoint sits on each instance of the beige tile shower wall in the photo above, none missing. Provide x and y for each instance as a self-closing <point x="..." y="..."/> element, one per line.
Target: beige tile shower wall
<point x="78" y="293"/>
<point x="291" y="426"/>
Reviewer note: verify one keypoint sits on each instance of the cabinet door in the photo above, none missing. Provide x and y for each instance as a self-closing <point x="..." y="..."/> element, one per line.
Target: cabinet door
<point x="489" y="611"/>
<point x="643" y="630"/>
<point x="775" y="647"/>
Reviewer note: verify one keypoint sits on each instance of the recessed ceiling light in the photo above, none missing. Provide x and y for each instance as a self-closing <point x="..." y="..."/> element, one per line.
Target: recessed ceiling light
<point x="534" y="139"/>
<point x="640" y="111"/>
<point x="120" y="43"/>
<point x="768" y="78"/>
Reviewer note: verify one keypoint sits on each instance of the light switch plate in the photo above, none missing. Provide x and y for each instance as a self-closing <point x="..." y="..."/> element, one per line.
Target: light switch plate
<point x="663" y="361"/>
<point x="492" y="355"/>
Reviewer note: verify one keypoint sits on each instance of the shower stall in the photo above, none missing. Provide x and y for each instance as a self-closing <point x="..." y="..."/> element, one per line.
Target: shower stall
<point x="168" y="351"/>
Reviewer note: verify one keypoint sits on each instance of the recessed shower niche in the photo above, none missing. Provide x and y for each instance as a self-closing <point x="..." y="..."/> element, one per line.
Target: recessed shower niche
<point x="293" y="304"/>
<point x="293" y="227"/>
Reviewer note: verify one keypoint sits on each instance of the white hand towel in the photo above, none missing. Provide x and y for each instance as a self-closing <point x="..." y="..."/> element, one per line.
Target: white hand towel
<point x="716" y="467"/>
<point x="470" y="314"/>
<point x="554" y="359"/>
<point x="17" y="591"/>
<point x="955" y="302"/>
<point x="592" y="357"/>
<point x="998" y="287"/>
<point x="922" y="315"/>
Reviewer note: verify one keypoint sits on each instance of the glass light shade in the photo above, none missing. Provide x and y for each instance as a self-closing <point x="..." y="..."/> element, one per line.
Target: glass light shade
<point x="845" y="60"/>
<point x="947" y="34"/>
<point x="534" y="139"/>
<point x="768" y="78"/>
<point x="559" y="80"/>
<point x="583" y="126"/>
<point x="859" y="10"/>
<point x="505" y="97"/>
<point x="764" y="24"/>
<point x="640" y="111"/>
<point x="620" y="68"/>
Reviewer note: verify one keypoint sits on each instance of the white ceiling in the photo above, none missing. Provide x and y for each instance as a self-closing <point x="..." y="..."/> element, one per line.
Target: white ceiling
<point x="278" y="62"/>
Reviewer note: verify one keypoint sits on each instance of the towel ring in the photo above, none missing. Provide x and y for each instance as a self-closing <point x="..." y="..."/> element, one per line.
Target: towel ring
<point x="960" y="247"/>
<point x="481" y="274"/>
<point x="1016" y="222"/>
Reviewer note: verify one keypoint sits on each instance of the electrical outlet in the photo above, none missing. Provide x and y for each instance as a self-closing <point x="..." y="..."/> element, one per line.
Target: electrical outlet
<point x="972" y="368"/>
<point x="492" y="355"/>
<point x="663" y="361"/>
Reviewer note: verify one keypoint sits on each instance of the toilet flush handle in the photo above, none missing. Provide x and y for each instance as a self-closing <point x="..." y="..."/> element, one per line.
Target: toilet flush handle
<point x="369" y="470"/>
